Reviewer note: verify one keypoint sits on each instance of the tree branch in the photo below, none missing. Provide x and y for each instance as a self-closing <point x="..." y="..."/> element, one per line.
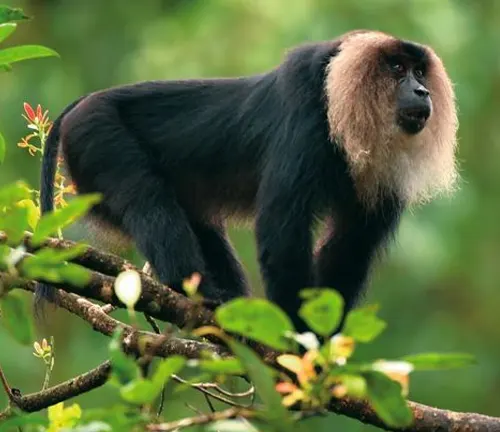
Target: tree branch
<point x="61" y="392"/>
<point x="165" y="304"/>
<point x="134" y="341"/>
<point x="427" y="419"/>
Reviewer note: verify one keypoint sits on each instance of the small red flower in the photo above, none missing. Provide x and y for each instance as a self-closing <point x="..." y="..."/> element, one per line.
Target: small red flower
<point x="29" y="111"/>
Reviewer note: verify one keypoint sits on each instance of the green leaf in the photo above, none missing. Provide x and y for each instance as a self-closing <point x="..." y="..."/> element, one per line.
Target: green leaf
<point x="8" y="14"/>
<point x="139" y="391"/>
<point x="52" y="222"/>
<point x="6" y="30"/>
<point x="14" y="223"/>
<point x="55" y="256"/>
<point x="166" y="368"/>
<point x="16" y="319"/>
<point x="257" y="319"/>
<point x="74" y="274"/>
<point x="144" y="391"/>
<point x="2" y="148"/>
<point x="363" y="325"/>
<point x="50" y="265"/>
<point x="322" y="310"/>
<point x="33" y="212"/>
<point x="25" y="52"/>
<point x="262" y="378"/>
<point x="70" y="273"/>
<point x="228" y="366"/>
<point x="386" y="399"/>
<point x="436" y="361"/>
<point x="23" y="420"/>
<point x="124" y="368"/>
<point x="12" y="193"/>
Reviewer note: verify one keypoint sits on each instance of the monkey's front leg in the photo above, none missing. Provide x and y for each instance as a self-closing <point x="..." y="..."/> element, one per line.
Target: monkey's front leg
<point x="284" y="252"/>
<point x="349" y="248"/>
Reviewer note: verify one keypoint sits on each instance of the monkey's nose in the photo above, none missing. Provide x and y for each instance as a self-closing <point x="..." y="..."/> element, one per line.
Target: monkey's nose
<point x="421" y="91"/>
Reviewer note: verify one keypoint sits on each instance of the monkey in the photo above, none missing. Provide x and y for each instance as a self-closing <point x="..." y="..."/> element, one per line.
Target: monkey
<point x="350" y="132"/>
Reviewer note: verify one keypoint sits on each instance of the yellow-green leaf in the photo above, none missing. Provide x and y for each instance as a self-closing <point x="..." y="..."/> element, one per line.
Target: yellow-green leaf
<point x="58" y="219"/>
<point x="229" y="366"/>
<point x="263" y="379"/>
<point x="33" y="212"/>
<point x="25" y="52"/>
<point x="14" y="223"/>
<point x="436" y="361"/>
<point x="257" y="319"/>
<point x="50" y="265"/>
<point x="143" y="391"/>
<point x="55" y="256"/>
<point x="386" y="399"/>
<point x="13" y="193"/>
<point x="363" y="325"/>
<point x="321" y="310"/>
<point x="6" y="30"/>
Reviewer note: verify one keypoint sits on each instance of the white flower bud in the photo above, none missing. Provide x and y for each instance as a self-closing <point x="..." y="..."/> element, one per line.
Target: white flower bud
<point x="128" y="287"/>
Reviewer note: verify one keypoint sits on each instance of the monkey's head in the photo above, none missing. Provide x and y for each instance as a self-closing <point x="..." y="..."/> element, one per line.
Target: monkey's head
<point x="391" y="108"/>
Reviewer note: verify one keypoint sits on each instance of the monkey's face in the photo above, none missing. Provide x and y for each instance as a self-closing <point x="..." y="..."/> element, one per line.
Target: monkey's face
<point x="414" y="105"/>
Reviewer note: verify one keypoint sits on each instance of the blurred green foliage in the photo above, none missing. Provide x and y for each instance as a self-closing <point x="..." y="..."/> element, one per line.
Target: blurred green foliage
<point x="439" y="286"/>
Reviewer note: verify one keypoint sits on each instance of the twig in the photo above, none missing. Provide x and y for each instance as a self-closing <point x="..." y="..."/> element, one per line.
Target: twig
<point x="5" y="384"/>
<point x="228" y="414"/>
<point x="202" y="388"/>
<point x="209" y="403"/>
<point x="248" y="393"/>
<point x="152" y="323"/>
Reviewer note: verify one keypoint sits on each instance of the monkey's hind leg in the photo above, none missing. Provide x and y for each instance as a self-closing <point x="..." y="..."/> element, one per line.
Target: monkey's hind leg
<point x="225" y="269"/>
<point x="162" y="233"/>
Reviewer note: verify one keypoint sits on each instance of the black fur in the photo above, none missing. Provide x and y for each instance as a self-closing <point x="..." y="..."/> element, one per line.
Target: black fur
<point x="175" y="159"/>
<point x="43" y="291"/>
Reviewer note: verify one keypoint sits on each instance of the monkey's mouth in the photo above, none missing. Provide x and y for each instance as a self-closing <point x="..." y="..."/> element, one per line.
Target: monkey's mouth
<point x="413" y="120"/>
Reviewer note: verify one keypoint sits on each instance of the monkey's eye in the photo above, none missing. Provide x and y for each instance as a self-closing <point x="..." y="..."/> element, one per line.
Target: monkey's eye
<point x="419" y="73"/>
<point x="398" y="67"/>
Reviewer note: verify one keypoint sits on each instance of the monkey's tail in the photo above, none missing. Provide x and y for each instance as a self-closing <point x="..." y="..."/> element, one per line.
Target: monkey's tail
<point x="43" y="291"/>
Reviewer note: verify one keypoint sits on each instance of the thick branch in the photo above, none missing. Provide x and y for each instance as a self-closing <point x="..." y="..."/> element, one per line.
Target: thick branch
<point x="427" y="419"/>
<point x="134" y="341"/>
<point x="62" y="392"/>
